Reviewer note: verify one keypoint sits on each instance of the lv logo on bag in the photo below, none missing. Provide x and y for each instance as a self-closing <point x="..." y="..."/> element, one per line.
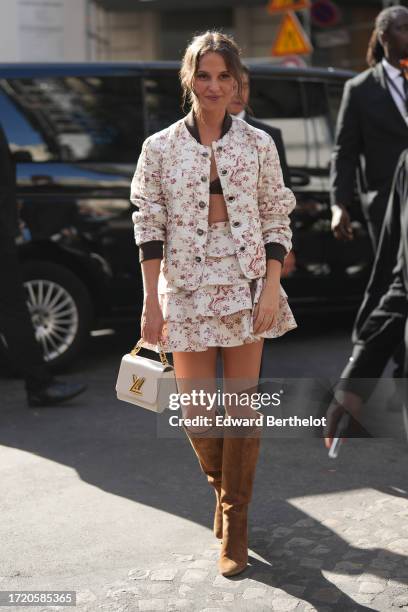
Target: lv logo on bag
<point x="153" y="384"/>
<point x="137" y="385"/>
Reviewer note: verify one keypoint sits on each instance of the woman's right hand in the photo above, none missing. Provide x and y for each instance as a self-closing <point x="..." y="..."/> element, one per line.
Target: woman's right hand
<point x="151" y="320"/>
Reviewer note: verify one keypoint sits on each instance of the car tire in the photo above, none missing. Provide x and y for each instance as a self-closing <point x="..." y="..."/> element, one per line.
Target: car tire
<point x="61" y="309"/>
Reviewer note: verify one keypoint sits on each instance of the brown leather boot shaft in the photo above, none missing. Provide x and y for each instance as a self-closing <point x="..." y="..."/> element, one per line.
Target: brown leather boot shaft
<point x="240" y="456"/>
<point x="209" y="454"/>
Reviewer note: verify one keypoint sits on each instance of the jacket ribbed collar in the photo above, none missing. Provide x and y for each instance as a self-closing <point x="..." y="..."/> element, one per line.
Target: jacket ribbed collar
<point x="191" y="125"/>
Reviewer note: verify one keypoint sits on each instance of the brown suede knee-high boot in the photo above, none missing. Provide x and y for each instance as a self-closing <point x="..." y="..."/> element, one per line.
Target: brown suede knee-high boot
<point x="240" y="457"/>
<point x="208" y="448"/>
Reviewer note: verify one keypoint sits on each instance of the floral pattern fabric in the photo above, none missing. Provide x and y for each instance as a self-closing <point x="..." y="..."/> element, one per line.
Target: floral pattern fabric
<point x="170" y="188"/>
<point x="220" y="311"/>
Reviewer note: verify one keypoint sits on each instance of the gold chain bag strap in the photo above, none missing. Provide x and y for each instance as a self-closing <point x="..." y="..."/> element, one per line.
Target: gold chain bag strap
<point x="145" y="382"/>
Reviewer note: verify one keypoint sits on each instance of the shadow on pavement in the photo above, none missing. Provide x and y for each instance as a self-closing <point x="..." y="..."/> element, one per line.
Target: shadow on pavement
<point x="113" y="446"/>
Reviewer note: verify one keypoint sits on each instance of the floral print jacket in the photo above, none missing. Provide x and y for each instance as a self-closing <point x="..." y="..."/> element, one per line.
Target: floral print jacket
<point x="170" y="188"/>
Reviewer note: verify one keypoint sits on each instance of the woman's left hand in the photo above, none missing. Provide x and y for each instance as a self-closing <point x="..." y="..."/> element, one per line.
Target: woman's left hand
<point x="267" y="308"/>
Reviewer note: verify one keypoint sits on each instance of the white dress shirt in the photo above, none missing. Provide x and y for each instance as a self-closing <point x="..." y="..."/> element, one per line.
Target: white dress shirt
<point x="398" y="80"/>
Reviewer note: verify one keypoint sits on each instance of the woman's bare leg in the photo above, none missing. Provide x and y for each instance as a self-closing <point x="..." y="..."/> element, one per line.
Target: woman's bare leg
<point x="242" y="365"/>
<point x="196" y="371"/>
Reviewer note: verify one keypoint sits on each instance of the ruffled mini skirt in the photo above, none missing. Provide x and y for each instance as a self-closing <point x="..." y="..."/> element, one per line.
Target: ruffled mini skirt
<point x="220" y="311"/>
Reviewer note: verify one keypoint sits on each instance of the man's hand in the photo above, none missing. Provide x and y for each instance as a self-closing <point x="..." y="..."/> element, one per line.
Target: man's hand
<point x="341" y="225"/>
<point x="333" y="416"/>
<point x="343" y="402"/>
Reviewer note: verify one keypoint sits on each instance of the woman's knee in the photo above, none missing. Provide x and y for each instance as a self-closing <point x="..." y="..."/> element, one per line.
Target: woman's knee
<point x="242" y="366"/>
<point x="196" y="381"/>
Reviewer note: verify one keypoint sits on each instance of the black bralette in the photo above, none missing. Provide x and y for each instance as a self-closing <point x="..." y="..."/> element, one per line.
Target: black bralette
<point x="215" y="186"/>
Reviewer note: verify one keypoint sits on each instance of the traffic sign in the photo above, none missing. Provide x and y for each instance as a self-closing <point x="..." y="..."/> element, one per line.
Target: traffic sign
<point x="324" y="13"/>
<point x="293" y="61"/>
<point x="291" y="38"/>
<point x="279" y="6"/>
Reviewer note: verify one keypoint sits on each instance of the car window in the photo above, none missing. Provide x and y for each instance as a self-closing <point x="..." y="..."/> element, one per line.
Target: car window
<point x="335" y="94"/>
<point x="278" y="102"/>
<point x="22" y="134"/>
<point x="162" y="96"/>
<point x="318" y="124"/>
<point x="300" y="110"/>
<point x="82" y="118"/>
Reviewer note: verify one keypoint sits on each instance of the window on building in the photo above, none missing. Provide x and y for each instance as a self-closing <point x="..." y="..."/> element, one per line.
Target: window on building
<point x="76" y="118"/>
<point x="178" y="27"/>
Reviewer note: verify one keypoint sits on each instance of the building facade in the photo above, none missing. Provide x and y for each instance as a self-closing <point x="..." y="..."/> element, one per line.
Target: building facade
<point x="128" y="30"/>
<point x="43" y="30"/>
<point x="158" y="29"/>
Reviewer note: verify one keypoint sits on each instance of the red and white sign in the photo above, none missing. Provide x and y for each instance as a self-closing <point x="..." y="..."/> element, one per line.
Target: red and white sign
<point x="294" y="61"/>
<point x="324" y="13"/>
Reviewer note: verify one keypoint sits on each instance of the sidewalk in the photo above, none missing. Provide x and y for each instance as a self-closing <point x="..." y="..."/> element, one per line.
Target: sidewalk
<point x="92" y="501"/>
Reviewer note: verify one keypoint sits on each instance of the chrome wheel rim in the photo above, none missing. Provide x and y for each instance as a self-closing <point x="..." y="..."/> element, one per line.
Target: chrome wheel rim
<point x="54" y="315"/>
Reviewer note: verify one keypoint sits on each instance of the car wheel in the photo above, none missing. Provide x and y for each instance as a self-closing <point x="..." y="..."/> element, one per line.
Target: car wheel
<point x="60" y="308"/>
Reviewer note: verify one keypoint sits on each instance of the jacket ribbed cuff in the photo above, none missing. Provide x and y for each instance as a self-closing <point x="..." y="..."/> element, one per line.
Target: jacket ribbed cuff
<point x="151" y="250"/>
<point x="274" y="250"/>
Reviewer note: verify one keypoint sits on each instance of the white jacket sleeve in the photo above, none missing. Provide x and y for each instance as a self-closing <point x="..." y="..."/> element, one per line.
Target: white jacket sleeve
<point x="146" y="194"/>
<point x="275" y="201"/>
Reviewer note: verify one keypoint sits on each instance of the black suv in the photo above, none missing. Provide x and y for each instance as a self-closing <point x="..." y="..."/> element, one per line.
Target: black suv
<point x="76" y="131"/>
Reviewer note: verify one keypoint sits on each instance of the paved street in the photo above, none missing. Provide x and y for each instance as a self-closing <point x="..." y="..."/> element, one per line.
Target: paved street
<point x="92" y="501"/>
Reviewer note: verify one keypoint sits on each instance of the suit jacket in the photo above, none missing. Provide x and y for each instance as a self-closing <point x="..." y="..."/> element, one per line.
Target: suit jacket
<point x="369" y="125"/>
<point x="8" y="203"/>
<point x="170" y="187"/>
<point x="392" y="254"/>
<point x="278" y="140"/>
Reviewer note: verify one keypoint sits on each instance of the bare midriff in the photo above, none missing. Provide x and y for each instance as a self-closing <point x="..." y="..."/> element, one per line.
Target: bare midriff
<point x="217" y="207"/>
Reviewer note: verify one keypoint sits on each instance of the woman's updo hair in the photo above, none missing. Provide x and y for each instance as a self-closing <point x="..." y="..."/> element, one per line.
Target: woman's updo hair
<point x="384" y="20"/>
<point x="210" y="41"/>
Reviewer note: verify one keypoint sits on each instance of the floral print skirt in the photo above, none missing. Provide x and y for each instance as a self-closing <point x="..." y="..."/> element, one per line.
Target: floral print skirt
<point x="220" y="311"/>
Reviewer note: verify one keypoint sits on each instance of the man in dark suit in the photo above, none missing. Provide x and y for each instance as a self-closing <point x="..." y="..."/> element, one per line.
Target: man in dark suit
<point x="372" y="127"/>
<point x="238" y="108"/>
<point x="16" y="326"/>
<point x="373" y="123"/>
<point x="377" y="333"/>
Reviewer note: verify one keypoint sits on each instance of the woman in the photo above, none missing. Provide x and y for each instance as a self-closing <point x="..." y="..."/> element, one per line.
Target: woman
<point x="209" y="188"/>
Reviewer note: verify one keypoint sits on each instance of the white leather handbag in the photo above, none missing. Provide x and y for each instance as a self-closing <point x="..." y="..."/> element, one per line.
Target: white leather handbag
<point x="145" y="382"/>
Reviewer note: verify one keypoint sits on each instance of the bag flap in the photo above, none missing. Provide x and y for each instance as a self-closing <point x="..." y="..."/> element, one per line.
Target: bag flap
<point x="139" y="377"/>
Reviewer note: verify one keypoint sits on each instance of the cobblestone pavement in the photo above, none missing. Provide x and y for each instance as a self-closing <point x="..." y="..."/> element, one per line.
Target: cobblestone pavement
<point x="361" y="561"/>
<point x="92" y="501"/>
<point x="343" y="551"/>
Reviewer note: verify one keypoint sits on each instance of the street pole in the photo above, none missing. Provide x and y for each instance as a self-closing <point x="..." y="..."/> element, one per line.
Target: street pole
<point x="88" y="30"/>
<point x="307" y="26"/>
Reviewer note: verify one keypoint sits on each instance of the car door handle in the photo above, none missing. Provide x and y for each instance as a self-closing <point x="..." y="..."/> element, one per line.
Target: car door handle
<point x="42" y="179"/>
<point x="299" y="178"/>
